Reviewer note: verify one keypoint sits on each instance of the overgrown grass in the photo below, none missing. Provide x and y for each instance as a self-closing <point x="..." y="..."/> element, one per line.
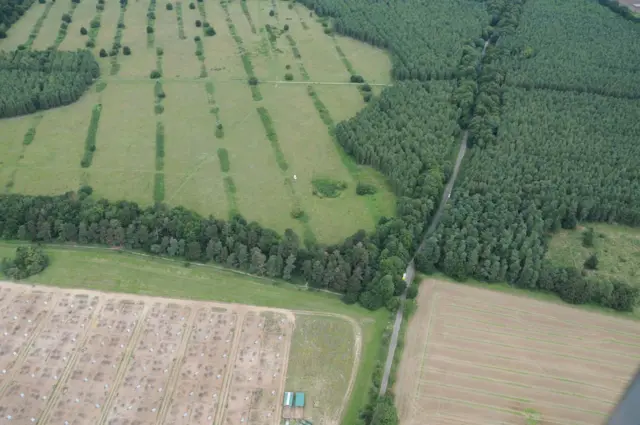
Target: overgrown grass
<point x="270" y="131"/>
<point x="294" y="46"/>
<point x="181" y="34"/>
<point x="230" y="191"/>
<point x="327" y="188"/>
<point x="38" y="25"/>
<point x="159" y="57"/>
<point x="223" y="156"/>
<point x="151" y="23"/>
<point x="94" y="25"/>
<point x="245" y="10"/>
<point x="322" y="110"/>
<point x="158" y="187"/>
<point x="90" y="141"/>
<point x="214" y="108"/>
<point x="344" y="60"/>
<point x="117" y="40"/>
<point x="31" y="132"/>
<point x="159" y="146"/>
<point x="100" y="86"/>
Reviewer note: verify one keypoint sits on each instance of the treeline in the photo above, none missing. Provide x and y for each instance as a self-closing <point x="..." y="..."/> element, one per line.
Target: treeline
<point x="37" y="80"/>
<point x="425" y="38"/>
<point x="621" y="10"/>
<point x="10" y="12"/>
<point x="577" y="46"/>
<point x="560" y="159"/>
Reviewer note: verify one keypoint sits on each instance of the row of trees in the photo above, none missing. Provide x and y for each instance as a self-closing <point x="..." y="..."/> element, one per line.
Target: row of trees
<point x="573" y="45"/>
<point x="36" y="80"/>
<point x="10" y="12"/>
<point x="425" y="38"/>
<point x="560" y="158"/>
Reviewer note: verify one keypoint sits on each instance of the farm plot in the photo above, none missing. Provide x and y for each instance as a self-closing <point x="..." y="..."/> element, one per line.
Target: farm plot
<point x="474" y="355"/>
<point x="84" y="357"/>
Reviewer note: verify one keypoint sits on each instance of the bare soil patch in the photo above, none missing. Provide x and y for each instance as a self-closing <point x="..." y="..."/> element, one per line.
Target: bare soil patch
<point x="82" y="357"/>
<point x="479" y="356"/>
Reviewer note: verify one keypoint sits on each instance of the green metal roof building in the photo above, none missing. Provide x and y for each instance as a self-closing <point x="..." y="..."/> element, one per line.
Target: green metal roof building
<point x="298" y="400"/>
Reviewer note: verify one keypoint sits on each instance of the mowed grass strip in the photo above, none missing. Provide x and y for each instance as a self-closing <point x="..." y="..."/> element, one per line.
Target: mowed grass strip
<point x="90" y="141"/>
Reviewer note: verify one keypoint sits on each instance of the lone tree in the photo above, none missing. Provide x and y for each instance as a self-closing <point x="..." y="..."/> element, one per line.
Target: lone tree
<point x="272" y="12"/>
<point x="83" y="31"/>
<point x="288" y="76"/>
<point x="126" y="50"/>
<point x="103" y="53"/>
<point x="29" y="260"/>
<point x="169" y="6"/>
<point x="198" y="23"/>
<point x="209" y="31"/>
<point x="253" y="81"/>
<point x="192" y="6"/>
<point x="592" y="262"/>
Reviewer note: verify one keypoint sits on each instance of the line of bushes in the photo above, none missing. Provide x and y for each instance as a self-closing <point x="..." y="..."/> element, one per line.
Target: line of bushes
<point x="181" y="33"/>
<point x="223" y="156"/>
<point x="90" y="141"/>
<point x="269" y="129"/>
<point x="245" y="10"/>
<point x="115" y="47"/>
<point x="151" y="22"/>
<point x="158" y="187"/>
<point x="38" y="26"/>
<point x="64" y="25"/>
<point x="159" y="146"/>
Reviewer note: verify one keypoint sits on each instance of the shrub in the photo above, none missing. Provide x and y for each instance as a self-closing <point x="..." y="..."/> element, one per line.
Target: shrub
<point x="587" y="238"/>
<point x="192" y="6"/>
<point x="149" y="29"/>
<point x="328" y="31"/>
<point x="365" y="189"/>
<point x="367" y="97"/>
<point x="272" y="12"/>
<point x="103" y="53"/>
<point x="169" y="6"/>
<point x="328" y="188"/>
<point x="209" y="31"/>
<point x="592" y="262"/>
<point x="64" y="25"/>
<point x="288" y="76"/>
<point x="90" y="44"/>
<point x="29" y="260"/>
<point x="297" y="213"/>
<point x="84" y="31"/>
<point x="151" y="15"/>
<point x="121" y="25"/>
<point x="100" y="7"/>
<point x="126" y="50"/>
<point x="66" y="18"/>
<point x="206" y="24"/>
<point x="113" y="52"/>
<point x="155" y="74"/>
<point x="21" y="47"/>
<point x="290" y="5"/>
<point x="286" y="27"/>
<point x="356" y="79"/>
<point x="366" y="87"/>
<point x="198" y="23"/>
<point x="253" y="81"/>
<point x="196" y="38"/>
<point x="158" y="109"/>
<point x="94" y="23"/>
<point x="287" y="66"/>
<point x="159" y="51"/>
<point x="325" y="25"/>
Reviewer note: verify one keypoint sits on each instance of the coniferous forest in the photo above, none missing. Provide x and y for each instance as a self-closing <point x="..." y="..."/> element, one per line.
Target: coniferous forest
<point x="550" y="116"/>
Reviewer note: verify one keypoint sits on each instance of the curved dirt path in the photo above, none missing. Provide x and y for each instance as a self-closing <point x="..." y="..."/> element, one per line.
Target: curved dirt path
<point x="357" y="335"/>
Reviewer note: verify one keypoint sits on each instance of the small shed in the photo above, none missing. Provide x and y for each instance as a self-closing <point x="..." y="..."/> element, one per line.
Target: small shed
<point x="288" y="399"/>
<point x="299" y="400"/>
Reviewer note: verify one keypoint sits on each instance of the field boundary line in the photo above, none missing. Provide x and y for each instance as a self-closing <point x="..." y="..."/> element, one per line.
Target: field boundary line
<point x="55" y="394"/>
<point x="221" y="412"/>
<point x="514" y="384"/>
<point x="27" y="347"/>
<point x="357" y="353"/>
<point x="174" y="375"/>
<point x="283" y="377"/>
<point x="124" y="364"/>
<point x="423" y="360"/>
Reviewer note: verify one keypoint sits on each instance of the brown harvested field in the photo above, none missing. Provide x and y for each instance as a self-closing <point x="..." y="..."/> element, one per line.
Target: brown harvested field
<point x="80" y="357"/>
<point x="478" y="356"/>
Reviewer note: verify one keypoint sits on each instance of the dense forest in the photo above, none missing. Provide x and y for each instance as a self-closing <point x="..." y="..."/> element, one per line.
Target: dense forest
<point x="10" y="12"/>
<point x="426" y="38"/>
<point x="36" y="80"/>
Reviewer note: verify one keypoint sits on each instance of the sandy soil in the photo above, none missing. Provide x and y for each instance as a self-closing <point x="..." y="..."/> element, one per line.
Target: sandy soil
<point x="477" y="356"/>
<point x="83" y="357"/>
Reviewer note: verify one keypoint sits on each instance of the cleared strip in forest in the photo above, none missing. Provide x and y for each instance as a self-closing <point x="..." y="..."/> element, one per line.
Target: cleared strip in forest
<point x="181" y="34"/>
<point x="90" y="141"/>
<point x="64" y="25"/>
<point x="151" y="23"/>
<point x="246" y="60"/>
<point x="298" y="212"/>
<point x="94" y="25"/>
<point x="117" y="39"/>
<point x="158" y="181"/>
<point x="38" y="26"/>
<point x="245" y="10"/>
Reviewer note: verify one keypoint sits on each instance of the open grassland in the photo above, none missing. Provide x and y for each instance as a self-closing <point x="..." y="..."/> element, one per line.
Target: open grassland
<point x="476" y="355"/>
<point x="616" y="247"/>
<point x="206" y="106"/>
<point x="105" y="270"/>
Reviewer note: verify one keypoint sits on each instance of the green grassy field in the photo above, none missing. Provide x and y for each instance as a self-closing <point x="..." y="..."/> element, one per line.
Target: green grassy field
<point x="203" y="93"/>
<point x="105" y="270"/>
<point x="617" y="249"/>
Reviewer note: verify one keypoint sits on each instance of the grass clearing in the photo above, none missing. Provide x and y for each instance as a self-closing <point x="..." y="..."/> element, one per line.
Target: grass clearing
<point x="617" y="249"/>
<point x="324" y="382"/>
